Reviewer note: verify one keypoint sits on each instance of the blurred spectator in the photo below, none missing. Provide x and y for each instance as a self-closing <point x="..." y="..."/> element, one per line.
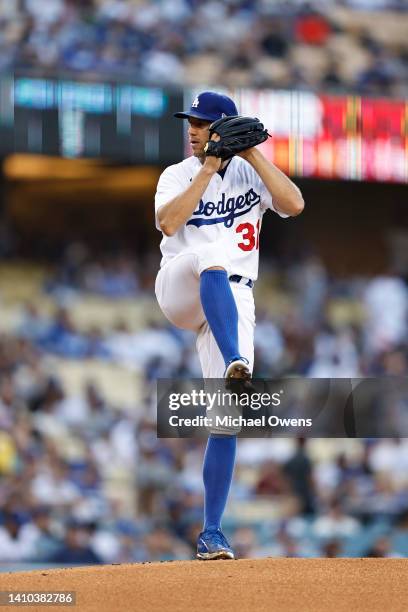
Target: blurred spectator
<point x="271" y="480"/>
<point x="88" y="409"/>
<point x="111" y="278"/>
<point x="331" y="79"/>
<point x="76" y="547"/>
<point x="312" y="27"/>
<point x="335" y="523"/>
<point x="308" y="278"/>
<point x="245" y="543"/>
<point x="299" y="471"/>
<point x="268" y="339"/>
<point x="63" y="337"/>
<point x="45" y="533"/>
<point x="155" y="469"/>
<point x="331" y="549"/>
<point x="33" y="325"/>
<point x="9" y="402"/>
<point x="161" y="545"/>
<point x="17" y="541"/>
<point x="53" y="486"/>
<point x="382" y="548"/>
<point x="273" y="39"/>
<point x="335" y="355"/>
<point x="386" y="303"/>
<point x="284" y="545"/>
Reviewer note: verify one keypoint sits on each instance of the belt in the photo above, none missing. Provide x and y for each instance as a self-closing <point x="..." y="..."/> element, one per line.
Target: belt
<point x="236" y="278"/>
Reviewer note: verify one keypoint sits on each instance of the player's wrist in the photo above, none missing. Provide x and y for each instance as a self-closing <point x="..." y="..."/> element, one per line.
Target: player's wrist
<point x="209" y="168"/>
<point x="250" y="155"/>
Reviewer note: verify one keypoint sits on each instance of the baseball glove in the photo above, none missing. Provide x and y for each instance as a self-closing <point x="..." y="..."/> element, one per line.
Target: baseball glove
<point x="236" y="134"/>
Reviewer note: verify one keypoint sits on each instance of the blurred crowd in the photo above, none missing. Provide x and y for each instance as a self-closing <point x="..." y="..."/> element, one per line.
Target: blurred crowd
<point x="323" y="326"/>
<point x="258" y="43"/>
<point x="86" y="480"/>
<point x="60" y="500"/>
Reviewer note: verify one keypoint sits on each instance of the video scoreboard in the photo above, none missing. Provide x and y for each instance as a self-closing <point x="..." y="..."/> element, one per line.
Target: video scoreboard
<point x="69" y="118"/>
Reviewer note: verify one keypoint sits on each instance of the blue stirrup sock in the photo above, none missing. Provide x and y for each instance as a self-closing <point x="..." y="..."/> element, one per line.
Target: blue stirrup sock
<point x="218" y="468"/>
<point x="221" y="312"/>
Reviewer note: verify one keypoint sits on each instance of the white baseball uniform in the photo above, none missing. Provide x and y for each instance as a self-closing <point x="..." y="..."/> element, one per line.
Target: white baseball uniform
<point x="222" y="231"/>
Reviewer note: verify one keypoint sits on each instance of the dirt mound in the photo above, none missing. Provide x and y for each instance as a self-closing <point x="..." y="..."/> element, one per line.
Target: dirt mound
<point x="246" y="585"/>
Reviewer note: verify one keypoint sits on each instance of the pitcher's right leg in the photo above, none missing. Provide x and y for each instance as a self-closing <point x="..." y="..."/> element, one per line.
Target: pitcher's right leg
<point x="178" y="292"/>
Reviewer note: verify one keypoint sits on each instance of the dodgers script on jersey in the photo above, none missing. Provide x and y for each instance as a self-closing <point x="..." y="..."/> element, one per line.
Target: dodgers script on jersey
<point x="228" y="215"/>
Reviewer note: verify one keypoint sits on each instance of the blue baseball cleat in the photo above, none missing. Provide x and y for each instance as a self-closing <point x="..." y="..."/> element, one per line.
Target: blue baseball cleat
<point x="213" y="545"/>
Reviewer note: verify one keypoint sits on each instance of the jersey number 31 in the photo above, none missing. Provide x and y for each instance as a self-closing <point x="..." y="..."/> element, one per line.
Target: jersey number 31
<point x="250" y="236"/>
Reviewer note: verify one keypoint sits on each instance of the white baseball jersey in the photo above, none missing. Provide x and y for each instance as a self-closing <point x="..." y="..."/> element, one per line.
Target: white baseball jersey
<point x="229" y="213"/>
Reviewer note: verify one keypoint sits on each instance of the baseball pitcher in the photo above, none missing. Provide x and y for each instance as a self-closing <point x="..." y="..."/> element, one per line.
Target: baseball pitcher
<point x="209" y="208"/>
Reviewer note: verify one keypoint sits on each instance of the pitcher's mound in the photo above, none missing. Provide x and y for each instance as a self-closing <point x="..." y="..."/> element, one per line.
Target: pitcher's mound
<point x="263" y="585"/>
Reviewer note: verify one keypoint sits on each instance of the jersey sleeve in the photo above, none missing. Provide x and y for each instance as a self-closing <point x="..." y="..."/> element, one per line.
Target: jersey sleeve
<point x="169" y="186"/>
<point x="267" y="201"/>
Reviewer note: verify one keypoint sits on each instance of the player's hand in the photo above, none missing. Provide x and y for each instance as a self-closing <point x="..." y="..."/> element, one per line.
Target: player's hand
<point x="211" y="163"/>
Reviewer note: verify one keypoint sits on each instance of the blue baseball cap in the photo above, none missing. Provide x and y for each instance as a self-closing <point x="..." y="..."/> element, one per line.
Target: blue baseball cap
<point x="209" y="106"/>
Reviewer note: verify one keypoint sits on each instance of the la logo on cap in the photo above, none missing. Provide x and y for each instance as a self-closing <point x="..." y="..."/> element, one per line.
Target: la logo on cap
<point x="195" y="103"/>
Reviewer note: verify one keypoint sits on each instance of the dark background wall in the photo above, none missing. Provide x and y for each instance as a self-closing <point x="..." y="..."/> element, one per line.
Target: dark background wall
<point x="349" y="224"/>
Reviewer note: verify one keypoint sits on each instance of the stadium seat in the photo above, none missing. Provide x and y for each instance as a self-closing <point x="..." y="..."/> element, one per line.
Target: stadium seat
<point x="120" y="386"/>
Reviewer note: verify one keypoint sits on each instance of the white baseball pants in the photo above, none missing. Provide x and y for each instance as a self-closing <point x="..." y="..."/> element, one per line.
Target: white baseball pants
<point x="178" y="294"/>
